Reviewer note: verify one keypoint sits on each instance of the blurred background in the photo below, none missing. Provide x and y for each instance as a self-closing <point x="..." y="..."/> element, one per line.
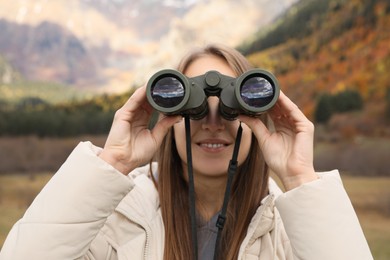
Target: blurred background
<point x="66" y="66"/>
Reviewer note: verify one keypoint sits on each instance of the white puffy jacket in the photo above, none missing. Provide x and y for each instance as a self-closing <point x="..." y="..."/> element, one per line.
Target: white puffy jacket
<point x="88" y="210"/>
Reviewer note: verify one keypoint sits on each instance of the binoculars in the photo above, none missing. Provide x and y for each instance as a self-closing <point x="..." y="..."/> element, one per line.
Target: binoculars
<point x="172" y="93"/>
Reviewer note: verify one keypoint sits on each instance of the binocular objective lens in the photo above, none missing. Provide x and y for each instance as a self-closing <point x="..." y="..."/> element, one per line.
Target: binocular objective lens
<point x="168" y="92"/>
<point x="257" y="92"/>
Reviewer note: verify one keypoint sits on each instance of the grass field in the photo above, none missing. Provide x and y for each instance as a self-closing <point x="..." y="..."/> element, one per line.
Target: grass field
<point x="370" y="197"/>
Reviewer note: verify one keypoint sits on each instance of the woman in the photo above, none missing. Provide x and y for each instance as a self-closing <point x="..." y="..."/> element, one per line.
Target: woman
<point x="102" y="205"/>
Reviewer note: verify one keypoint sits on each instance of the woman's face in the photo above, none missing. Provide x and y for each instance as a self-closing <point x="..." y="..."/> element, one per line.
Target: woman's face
<point x="212" y="138"/>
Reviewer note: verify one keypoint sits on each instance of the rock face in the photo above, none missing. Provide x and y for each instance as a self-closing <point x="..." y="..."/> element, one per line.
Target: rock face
<point x="92" y="42"/>
<point x="47" y="51"/>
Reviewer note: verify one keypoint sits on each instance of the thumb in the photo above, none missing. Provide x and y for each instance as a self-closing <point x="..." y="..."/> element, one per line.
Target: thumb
<point x="161" y="128"/>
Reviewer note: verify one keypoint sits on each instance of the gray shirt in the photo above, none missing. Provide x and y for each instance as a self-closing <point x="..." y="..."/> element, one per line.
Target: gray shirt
<point x="207" y="236"/>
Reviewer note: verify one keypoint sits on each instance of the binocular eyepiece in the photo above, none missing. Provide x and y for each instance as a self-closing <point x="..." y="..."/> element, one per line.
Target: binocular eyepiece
<point x="172" y="93"/>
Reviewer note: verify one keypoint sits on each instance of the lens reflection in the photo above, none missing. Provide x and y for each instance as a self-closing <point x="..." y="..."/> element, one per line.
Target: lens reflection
<point x="257" y="92"/>
<point x="168" y="92"/>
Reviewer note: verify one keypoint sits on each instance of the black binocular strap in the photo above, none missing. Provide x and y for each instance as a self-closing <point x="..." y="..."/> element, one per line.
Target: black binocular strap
<point x="231" y="171"/>
<point x="191" y="189"/>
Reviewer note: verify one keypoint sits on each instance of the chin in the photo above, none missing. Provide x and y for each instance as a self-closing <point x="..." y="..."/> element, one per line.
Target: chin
<point x="212" y="170"/>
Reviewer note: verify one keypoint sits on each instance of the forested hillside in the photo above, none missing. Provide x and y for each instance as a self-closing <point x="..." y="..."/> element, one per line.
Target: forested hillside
<point x="35" y="116"/>
<point x="332" y="56"/>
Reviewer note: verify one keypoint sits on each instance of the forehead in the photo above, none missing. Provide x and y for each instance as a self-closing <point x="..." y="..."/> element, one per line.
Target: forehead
<point x="206" y="63"/>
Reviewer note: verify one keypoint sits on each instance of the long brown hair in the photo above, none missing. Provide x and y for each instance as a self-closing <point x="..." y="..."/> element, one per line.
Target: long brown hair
<point x="250" y="184"/>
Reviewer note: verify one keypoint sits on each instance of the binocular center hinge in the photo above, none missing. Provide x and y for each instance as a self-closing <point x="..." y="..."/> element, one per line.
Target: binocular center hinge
<point x="210" y="91"/>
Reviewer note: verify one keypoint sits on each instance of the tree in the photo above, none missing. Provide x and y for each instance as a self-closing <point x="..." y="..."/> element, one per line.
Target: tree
<point x="347" y="100"/>
<point x="341" y="102"/>
<point x="324" y="109"/>
<point x="387" y="104"/>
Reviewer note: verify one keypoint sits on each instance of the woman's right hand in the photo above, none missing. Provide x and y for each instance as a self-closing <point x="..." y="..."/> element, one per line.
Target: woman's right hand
<point x="130" y="143"/>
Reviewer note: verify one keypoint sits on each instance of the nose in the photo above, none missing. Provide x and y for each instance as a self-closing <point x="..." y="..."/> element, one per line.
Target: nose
<point x="213" y="121"/>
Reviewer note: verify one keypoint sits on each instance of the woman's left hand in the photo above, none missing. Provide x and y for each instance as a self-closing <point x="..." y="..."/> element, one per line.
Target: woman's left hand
<point x="288" y="150"/>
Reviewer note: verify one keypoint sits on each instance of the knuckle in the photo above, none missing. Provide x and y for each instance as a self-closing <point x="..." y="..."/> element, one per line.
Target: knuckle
<point x="118" y="113"/>
<point x="310" y="126"/>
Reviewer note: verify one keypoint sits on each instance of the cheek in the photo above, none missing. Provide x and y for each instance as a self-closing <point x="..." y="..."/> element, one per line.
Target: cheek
<point x="245" y="144"/>
<point x="180" y="139"/>
<point x="179" y="131"/>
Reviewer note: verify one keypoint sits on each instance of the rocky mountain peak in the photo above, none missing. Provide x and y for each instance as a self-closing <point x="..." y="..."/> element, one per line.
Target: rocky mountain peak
<point x="112" y="44"/>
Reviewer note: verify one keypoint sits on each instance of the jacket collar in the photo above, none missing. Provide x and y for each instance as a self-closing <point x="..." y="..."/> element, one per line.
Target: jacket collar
<point x="142" y="204"/>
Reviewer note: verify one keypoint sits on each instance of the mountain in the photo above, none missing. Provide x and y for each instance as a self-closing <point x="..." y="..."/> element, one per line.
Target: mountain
<point x="120" y="42"/>
<point x="46" y="51"/>
<point x="7" y="73"/>
<point x="329" y="47"/>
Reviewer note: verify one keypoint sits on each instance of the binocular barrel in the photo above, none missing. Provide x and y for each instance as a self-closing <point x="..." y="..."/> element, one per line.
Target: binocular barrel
<point x="252" y="93"/>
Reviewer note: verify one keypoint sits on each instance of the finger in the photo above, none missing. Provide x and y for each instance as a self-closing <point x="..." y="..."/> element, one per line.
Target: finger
<point x="286" y="108"/>
<point x="137" y="100"/>
<point x="258" y="128"/>
<point x="287" y="115"/>
<point x="136" y="108"/>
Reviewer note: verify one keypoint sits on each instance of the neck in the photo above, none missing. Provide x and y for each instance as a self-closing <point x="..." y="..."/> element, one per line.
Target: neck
<point x="210" y="192"/>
